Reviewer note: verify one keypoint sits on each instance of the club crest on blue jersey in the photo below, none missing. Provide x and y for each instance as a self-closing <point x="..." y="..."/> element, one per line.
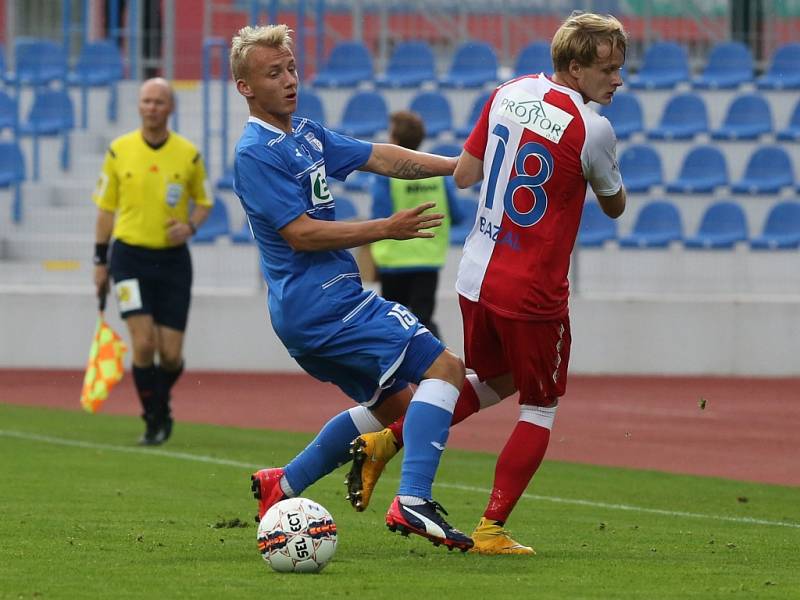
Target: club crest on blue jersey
<point x="315" y="143"/>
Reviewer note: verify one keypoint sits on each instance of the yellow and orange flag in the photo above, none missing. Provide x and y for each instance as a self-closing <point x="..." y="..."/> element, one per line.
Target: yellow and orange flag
<point x="104" y="368"/>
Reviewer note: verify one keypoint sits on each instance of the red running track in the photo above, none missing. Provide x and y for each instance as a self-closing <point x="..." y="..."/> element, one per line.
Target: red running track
<point x="747" y="431"/>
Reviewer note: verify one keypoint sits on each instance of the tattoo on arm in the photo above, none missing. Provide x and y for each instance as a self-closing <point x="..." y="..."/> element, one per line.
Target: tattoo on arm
<point x="408" y="169"/>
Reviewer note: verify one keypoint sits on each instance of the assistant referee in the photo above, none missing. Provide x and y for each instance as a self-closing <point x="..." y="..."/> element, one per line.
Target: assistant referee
<point x="143" y="200"/>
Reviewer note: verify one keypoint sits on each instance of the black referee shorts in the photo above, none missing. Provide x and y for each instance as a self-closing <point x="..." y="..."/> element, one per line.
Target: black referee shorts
<point x="153" y="282"/>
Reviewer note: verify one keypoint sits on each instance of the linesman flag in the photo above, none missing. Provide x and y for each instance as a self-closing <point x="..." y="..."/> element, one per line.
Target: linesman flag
<point x="105" y="368"/>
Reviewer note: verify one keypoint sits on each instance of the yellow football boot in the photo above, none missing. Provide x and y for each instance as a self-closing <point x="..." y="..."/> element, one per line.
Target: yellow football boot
<point x="371" y="452"/>
<point x="491" y="538"/>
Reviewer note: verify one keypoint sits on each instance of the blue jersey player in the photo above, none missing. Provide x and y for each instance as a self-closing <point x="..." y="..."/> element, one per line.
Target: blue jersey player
<point x="334" y="328"/>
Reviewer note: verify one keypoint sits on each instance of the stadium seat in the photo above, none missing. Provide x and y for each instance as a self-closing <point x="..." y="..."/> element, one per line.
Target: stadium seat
<point x="50" y="114"/>
<point x="748" y="117"/>
<point x="411" y="64"/>
<point x="434" y="108"/>
<point x="657" y="224"/>
<point x="665" y="64"/>
<point x="474" y="114"/>
<point x="244" y="235"/>
<point x="792" y="131"/>
<point x="365" y="114"/>
<point x="703" y="170"/>
<point x="768" y="170"/>
<point x="446" y="149"/>
<point x="625" y="115"/>
<point x="38" y="62"/>
<point x="345" y="209"/>
<point x="359" y="181"/>
<point x="217" y="224"/>
<point x="782" y="229"/>
<point x="729" y="65"/>
<point x="641" y="169"/>
<point x="784" y="69"/>
<point x="723" y="224"/>
<point x="596" y="227"/>
<point x="348" y="65"/>
<point x="8" y="112"/>
<point x="684" y="116"/>
<point x="474" y="65"/>
<point x="99" y="65"/>
<point x="225" y="181"/>
<point x="459" y="233"/>
<point x="309" y="105"/>
<point x="12" y="174"/>
<point x="534" y="58"/>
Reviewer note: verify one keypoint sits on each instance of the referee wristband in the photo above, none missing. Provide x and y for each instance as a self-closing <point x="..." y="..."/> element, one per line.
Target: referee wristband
<point x="100" y="254"/>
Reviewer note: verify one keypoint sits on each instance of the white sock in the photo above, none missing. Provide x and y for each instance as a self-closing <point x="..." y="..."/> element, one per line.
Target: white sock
<point x="411" y="500"/>
<point x="287" y="489"/>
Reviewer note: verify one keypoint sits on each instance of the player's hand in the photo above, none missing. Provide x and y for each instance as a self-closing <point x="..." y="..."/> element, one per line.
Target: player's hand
<point x="413" y="223"/>
<point x="178" y="231"/>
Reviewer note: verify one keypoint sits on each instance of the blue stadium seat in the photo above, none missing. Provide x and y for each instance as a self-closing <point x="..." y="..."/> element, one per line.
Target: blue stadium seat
<point x="38" y="62"/>
<point x="657" y="224"/>
<point x="665" y="64"/>
<point x="596" y="227"/>
<point x="50" y="114"/>
<point x="703" y="170"/>
<point x="782" y="229"/>
<point x="684" y="116"/>
<point x="99" y="65"/>
<point x="359" y="181"/>
<point x="459" y="233"/>
<point x="8" y="112"/>
<point x="434" y="108"/>
<point x="534" y="58"/>
<point x="768" y="170"/>
<point x="12" y="174"/>
<point x="641" y="169"/>
<point x="411" y="64"/>
<point x="365" y="114"/>
<point x="625" y="115"/>
<point x="474" y="65"/>
<point x="784" y="69"/>
<point x="446" y="149"/>
<point x="723" y="224"/>
<point x="348" y="65"/>
<point x="309" y="105"/>
<point x="792" y="131"/>
<point x="244" y="235"/>
<point x="345" y="209"/>
<point x="729" y="65"/>
<point x="217" y="224"/>
<point x="748" y="117"/>
<point x="474" y="114"/>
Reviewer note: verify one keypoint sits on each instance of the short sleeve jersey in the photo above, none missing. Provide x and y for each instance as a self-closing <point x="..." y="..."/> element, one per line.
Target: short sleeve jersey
<point x="147" y="186"/>
<point x="540" y="145"/>
<point x="278" y="177"/>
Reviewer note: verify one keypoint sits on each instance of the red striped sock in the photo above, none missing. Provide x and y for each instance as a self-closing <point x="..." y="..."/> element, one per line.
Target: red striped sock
<point x="519" y="460"/>
<point x="467" y="404"/>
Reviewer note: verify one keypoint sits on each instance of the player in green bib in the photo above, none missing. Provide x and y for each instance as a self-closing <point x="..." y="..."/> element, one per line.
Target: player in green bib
<point x="409" y="270"/>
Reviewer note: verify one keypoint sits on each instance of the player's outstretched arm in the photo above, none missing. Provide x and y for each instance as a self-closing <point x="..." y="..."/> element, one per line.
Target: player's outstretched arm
<point x="305" y="234"/>
<point x="614" y="205"/>
<point x="469" y="170"/>
<point x="403" y="163"/>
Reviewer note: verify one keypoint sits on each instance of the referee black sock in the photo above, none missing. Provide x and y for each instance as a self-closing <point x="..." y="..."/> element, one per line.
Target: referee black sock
<point x="166" y="379"/>
<point x="145" y="380"/>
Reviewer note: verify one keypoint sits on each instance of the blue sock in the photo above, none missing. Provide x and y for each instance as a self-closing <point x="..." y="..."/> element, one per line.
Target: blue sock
<point x="330" y="449"/>
<point x="425" y="433"/>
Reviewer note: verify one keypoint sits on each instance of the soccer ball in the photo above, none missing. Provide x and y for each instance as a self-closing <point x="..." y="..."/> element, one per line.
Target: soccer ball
<point x="297" y="535"/>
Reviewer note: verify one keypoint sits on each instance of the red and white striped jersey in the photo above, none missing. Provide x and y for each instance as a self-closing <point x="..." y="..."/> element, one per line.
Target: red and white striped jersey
<point x="540" y="145"/>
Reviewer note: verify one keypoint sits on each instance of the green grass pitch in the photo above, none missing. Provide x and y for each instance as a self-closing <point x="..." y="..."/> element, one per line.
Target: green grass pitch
<point x="88" y="514"/>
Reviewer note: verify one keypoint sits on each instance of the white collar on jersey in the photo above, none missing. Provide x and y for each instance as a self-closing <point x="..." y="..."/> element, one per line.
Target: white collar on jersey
<point x="265" y="125"/>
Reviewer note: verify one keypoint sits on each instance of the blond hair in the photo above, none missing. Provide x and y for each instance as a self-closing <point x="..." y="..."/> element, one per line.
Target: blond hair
<point x="269" y="36"/>
<point x="580" y="35"/>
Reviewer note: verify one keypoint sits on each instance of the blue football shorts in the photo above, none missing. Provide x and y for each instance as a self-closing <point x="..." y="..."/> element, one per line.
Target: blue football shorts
<point x="378" y="351"/>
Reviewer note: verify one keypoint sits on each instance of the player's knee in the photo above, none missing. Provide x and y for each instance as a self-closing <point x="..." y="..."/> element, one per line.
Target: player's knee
<point x="454" y="370"/>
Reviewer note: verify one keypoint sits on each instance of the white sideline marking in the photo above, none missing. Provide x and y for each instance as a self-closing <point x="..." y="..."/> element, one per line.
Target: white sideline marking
<point x="455" y="486"/>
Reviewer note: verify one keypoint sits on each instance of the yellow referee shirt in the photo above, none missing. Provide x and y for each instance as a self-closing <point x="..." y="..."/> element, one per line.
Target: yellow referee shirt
<point x="146" y="187"/>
